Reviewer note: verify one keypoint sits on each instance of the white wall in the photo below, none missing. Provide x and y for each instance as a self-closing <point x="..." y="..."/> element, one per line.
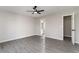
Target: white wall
<point x="14" y="26"/>
<point x="53" y="26"/>
<point x="37" y="26"/>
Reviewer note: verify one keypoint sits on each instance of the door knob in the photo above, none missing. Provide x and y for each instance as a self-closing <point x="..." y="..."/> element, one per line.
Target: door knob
<point x="73" y="30"/>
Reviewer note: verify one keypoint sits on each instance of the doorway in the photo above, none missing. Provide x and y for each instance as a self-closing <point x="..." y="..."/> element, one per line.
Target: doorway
<point x="42" y="27"/>
<point x="67" y="25"/>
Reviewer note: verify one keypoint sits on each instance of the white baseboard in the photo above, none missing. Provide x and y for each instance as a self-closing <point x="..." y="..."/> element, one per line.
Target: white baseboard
<point x="67" y="36"/>
<point x="51" y="37"/>
<point x="54" y="38"/>
<point x="15" y="38"/>
<point x="24" y="37"/>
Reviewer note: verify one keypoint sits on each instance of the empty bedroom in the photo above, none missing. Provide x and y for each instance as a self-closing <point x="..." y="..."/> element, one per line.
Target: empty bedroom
<point x="39" y="29"/>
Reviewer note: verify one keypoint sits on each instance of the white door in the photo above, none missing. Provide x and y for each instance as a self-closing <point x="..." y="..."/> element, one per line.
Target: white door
<point x="73" y="29"/>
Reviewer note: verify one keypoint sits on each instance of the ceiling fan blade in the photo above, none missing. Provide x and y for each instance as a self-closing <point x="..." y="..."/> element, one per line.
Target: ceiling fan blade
<point x="34" y="7"/>
<point x="40" y="10"/>
<point x="38" y="13"/>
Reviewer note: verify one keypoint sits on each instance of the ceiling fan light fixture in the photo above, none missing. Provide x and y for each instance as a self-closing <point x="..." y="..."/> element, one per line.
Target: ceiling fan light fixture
<point x="35" y="12"/>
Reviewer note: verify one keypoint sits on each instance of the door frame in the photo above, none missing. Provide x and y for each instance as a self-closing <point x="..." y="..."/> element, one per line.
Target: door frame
<point x="42" y="27"/>
<point x="72" y="27"/>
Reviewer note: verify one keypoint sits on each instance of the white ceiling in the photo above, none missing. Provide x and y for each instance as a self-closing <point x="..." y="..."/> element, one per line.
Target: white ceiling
<point x="48" y="9"/>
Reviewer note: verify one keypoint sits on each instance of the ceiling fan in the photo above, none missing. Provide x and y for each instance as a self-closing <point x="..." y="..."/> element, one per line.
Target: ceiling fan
<point x="35" y="10"/>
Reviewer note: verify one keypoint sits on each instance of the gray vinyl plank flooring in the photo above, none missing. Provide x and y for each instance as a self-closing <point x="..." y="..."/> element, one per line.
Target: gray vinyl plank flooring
<point x="34" y="44"/>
